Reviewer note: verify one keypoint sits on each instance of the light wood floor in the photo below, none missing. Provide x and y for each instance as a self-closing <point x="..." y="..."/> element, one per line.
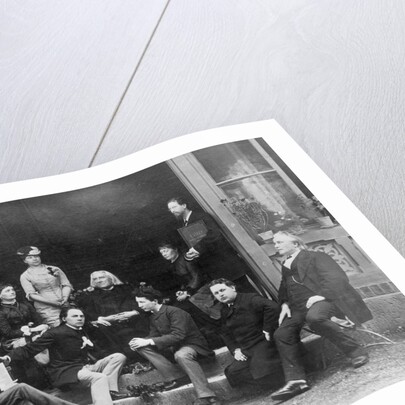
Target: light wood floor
<point x="85" y="82"/>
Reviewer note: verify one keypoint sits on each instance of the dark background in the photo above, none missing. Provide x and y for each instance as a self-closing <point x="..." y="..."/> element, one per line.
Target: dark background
<point x="115" y="226"/>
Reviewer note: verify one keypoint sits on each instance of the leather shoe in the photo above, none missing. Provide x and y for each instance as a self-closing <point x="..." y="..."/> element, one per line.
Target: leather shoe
<point x="291" y="389"/>
<point x="359" y="361"/>
<point x="115" y="395"/>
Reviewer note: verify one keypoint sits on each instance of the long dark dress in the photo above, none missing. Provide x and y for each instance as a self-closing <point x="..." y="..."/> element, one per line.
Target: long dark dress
<point x="12" y="318"/>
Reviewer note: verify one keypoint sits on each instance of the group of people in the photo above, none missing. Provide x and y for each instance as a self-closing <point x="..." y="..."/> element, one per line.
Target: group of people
<point x="89" y="343"/>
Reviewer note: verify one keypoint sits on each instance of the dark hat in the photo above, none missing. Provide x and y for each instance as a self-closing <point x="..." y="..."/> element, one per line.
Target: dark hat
<point x="28" y="251"/>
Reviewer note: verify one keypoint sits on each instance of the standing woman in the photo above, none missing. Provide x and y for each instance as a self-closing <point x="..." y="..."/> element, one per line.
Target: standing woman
<point x="46" y="286"/>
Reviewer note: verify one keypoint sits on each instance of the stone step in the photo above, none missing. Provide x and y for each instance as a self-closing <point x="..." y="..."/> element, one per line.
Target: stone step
<point x="211" y="367"/>
<point x="318" y="355"/>
<point x="186" y="395"/>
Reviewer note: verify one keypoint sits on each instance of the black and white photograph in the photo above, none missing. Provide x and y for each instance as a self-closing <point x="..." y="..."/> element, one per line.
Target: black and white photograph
<point x="213" y="277"/>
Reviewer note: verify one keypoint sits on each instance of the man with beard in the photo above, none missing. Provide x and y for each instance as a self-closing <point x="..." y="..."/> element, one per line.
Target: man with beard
<point x="212" y="252"/>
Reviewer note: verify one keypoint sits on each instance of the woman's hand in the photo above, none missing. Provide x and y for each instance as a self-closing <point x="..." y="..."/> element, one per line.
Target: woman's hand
<point x="56" y="303"/>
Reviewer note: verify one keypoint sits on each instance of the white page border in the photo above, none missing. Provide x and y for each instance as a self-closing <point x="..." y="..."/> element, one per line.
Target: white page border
<point x="385" y="256"/>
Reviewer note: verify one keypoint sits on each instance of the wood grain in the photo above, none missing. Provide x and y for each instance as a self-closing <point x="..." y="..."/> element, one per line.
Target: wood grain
<point x="330" y="72"/>
<point x="63" y="69"/>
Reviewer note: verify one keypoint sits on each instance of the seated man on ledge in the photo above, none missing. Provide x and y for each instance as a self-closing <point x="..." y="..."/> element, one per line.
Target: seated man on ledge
<point x="173" y="329"/>
<point x="27" y="395"/>
<point x="70" y="354"/>
<point x="249" y="322"/>
<point x="313" y="289"/>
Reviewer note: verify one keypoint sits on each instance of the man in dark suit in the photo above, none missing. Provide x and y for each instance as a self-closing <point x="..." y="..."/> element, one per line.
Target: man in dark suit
<point x="172" y="329"/>
<point x="249" y="322"/>
<point x="70" y="352"/>
<point x="213" y="252"/>
<point x="313" y="290"/>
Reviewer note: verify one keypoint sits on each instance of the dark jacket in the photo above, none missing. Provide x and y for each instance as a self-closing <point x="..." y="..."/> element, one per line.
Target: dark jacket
<point x="190" y="274"/>
<point x="173" y="328"/>
<point x="12" y="317"/>
<point x="217" y="257"/>
<point x="322" y="275"/>
<point x="66" y="354"/>
<point x="245" y="320"/>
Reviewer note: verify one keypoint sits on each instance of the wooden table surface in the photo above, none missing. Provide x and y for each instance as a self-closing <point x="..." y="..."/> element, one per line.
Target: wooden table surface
<point x="85" y="82"/>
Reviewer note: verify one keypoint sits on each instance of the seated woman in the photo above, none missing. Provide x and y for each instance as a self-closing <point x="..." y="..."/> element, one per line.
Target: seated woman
<point x="110" y="306"/>
<point x="194" y="295"/>
<point x="17" y="320"/>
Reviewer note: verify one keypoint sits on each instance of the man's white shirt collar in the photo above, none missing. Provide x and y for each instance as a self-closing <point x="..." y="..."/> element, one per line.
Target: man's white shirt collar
<point x="187" y="217"/>
<point x="72" y="327"/>
<point x="290" y="259"/>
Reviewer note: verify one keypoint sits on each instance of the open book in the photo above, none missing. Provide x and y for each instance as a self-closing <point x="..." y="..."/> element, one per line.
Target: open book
<point x="254" y="183"/>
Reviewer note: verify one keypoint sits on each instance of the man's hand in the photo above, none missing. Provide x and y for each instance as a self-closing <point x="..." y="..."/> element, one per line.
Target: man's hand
<point x="285" y="312"/>
<point x="312" y="300"/>
<point x="267" y="336"/>
<point x="25" y="330"/>
<point x="124" y="316"/>
<point x="103" y="321"/>
<point x="191" y="254"/>
<point x="181" y="295"/>
<point x="5" y="360"/>
<point x="137" y="343"/>
<point x="40" y="328"/>
<point x="239" y="356"/>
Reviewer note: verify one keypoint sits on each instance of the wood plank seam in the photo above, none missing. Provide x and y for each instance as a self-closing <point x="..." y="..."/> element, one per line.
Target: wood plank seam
<point x="129" y="84"/>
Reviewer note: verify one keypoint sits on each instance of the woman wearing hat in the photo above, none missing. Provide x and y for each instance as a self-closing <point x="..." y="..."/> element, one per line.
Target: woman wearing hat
<point x="46" y="286"/>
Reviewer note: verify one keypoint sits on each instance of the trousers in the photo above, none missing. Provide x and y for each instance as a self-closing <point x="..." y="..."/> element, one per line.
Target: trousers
<point x="102" y="377"/>
<point x="186" y="358"/>
<point x="30" y="395"/>
<point x="287" y="337"/>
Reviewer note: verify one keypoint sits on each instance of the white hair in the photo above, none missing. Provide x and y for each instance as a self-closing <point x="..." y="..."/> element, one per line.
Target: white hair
<point x="114" y="279"/>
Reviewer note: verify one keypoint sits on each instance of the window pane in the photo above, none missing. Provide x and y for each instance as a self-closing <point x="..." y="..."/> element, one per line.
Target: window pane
<point x="264" y="203"/>
<point x="224" y="162"/>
